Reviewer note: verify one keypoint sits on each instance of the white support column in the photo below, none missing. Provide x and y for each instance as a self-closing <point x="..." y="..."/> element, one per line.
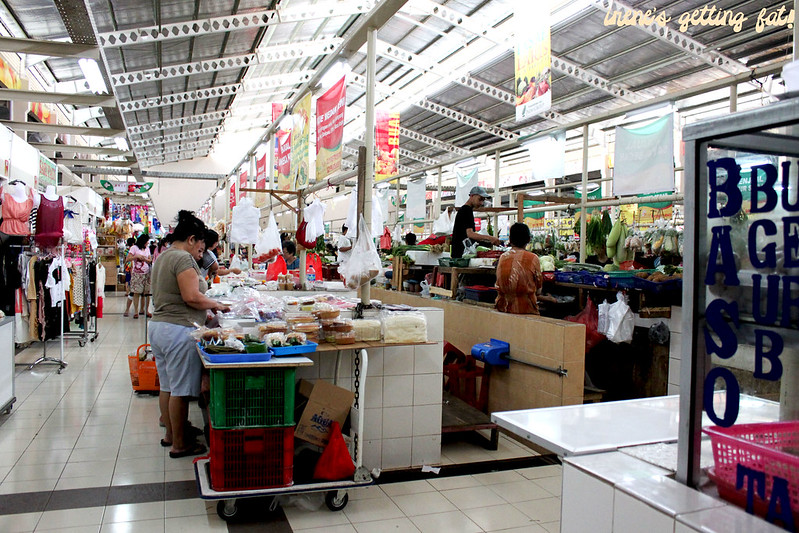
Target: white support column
<point x="368" y="182"/>
<point x="733" y="98"/>
<point x="583" y="195"/>
<point x="497" y="198"/>
<point x="438" y="198"/>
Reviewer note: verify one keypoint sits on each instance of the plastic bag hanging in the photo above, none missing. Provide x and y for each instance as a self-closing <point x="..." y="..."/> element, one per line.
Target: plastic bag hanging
<point x="621" y="321"/>
<point x="244" y="228"/>
<point x="363" y="264"/>
<point x="314" y="215"/>
<point x="444" y="224"/>
<point x="268" y="245"/>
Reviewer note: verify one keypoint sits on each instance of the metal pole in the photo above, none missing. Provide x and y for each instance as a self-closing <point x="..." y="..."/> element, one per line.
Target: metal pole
<point x="497" y="197"/>
<point x="584" y="195"/>
<point x="270" y="148"/>
<point x="438" y="198"/>
<point x="733" y="98"/>
<point x="365" y="185"/>
<point x="251" y="175"/>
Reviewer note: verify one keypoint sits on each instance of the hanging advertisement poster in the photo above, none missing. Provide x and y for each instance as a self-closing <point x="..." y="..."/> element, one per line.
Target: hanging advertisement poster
<point x="48" y="173"/>
<point x="232" y="195"/>
<point x="387" y="140"/>
<point x="532" y="60"/>
<point x="300" y="139"/>
<point x="644" y="158"/>
<point x="260" y="181"/>
<point x="284" y="160"/>
<point x="242" y="184"/>
<point x="330" y="129"/>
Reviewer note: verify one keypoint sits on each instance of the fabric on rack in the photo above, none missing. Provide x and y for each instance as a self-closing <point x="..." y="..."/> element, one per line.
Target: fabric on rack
<point x="100" y="276"/>
<point x="16" y="214"/>
<point x="76" y="290"/>
<point x="49" y="315"/>
<point x="49" y="222"/>
<point x="30" y="295"/>
<point x="57" y="280"/>
<point x="10" y="277"/>
<point x="73" y="231"/>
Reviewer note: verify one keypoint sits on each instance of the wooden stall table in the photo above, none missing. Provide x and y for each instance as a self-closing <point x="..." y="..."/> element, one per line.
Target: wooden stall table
<point x="454" y="273"/>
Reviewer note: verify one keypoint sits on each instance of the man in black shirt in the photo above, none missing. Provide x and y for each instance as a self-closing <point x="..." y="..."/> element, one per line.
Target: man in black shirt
<point x="464" y="223"/>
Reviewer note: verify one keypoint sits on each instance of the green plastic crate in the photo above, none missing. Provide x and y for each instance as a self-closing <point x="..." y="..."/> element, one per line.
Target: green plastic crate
<point x="252" y="397"/>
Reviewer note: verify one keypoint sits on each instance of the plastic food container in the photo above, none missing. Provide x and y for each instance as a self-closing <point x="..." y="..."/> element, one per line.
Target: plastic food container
<point x="344" y="337"/>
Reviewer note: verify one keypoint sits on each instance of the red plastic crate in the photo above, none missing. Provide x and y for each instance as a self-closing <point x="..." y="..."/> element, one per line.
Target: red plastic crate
<point x="760" y="447"/>
<point x="253" y="458"/>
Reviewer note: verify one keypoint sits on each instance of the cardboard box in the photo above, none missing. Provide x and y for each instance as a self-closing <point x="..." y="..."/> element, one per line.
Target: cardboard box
<point x="327" y="403"/>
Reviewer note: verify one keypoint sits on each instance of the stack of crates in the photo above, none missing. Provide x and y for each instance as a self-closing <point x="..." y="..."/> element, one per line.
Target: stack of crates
<point x="252" y="428"/>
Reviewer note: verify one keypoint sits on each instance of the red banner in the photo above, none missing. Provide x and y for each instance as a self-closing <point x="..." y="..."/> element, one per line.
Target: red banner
<point x="387" y="140"/>
<point x="283" y="160"/>
<point x="260" y="181"/>
<point x="330" y="129"/>
<point x="232" y="195"/>
<point x="242" y="184"/>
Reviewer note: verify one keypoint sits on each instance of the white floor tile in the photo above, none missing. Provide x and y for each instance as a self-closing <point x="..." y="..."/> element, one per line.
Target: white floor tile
<point x="371" y="510"/>
<point x="472" y="497"/>
<point x="66" y="483"/>
<point x="423" y="503"/>
<point x="455" y="482"/>
<point x="141" y="526"/>
<point x="134" y="512"/>
<point x="499" y="517"/>
<point x="19" y="523"/>
<point x="89" y="516"/>
<point x="138" y="478"/>
<point x="408" y="487"/>
<point x="541" y="510"/>
<point x="452" y="522"/>
<point x="193" y="507"/>
<point x="520" y="491"/>
<point x="398" y="525"/>
<point x="194" y="524"/>
<point x="300" y="519"/>
<point x="345" y="528"/>
<point x="493" y="478"/>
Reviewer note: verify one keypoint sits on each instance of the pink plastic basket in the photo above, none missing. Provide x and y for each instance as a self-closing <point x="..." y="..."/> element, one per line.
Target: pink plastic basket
<point x="761" y="447"/>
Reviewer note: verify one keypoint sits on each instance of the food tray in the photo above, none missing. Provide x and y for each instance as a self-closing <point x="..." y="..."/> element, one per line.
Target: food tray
<point x="252" y="397"/>
<point x="234" y="357"/>
<point x="481" y="293"/>
<point x="759" y="447"/>
<point x="256" y="458"/>
<point x="308" y="347"/>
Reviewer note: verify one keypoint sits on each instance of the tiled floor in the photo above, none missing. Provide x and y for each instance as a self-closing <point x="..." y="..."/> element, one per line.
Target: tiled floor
<point x="86" y="429"/>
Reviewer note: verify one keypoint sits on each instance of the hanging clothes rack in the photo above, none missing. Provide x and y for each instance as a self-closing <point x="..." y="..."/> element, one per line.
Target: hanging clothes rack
<point x="90" y="328"/>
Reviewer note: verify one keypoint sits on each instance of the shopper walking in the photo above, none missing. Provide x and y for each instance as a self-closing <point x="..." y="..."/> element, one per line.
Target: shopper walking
<point x="464" y="223"/>
<point x="126" y="266"/>
<point x="519" y="275"/>
<point x="179" y="304"/>
<point x="140" y="258"/>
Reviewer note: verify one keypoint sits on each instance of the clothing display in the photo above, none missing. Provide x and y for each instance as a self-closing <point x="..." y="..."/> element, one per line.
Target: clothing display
<point x="16" y="214"/>
<point x="73" y="230"/>
<point x="49" y="222"/>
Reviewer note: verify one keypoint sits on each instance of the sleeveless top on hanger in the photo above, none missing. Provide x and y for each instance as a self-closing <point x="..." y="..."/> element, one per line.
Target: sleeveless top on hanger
<point x="49" y="222"/>
<point x="16" y="214"/>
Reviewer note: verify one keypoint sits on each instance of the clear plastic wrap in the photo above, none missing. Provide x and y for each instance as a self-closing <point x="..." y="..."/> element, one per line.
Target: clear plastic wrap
<point x="363" y="264"/>
<point x="404" y="327"/>
<point x="367" y="329"/>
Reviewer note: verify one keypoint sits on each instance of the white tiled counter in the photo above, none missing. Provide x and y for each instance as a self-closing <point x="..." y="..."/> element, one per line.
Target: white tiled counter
<point x="402" y="408"/>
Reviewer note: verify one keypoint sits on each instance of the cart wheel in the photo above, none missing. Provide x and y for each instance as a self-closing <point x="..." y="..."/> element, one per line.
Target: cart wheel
<point x="227" y="510"/>
<point x="92" y="339"/>
<point x="334" y="501"/>
<point x="82" y="343"/>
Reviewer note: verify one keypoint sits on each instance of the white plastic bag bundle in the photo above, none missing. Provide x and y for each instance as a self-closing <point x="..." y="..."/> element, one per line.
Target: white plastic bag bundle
<point x="621" y="321"/>
<point x="244" y="229"/>
<point x="602" y="320"/>
<point x="268" y="245"/>
<point x="363" y="264"/>
<point x="377" y="215"/>
<point x="444" y="224"/>
<point x="314" y="215"/>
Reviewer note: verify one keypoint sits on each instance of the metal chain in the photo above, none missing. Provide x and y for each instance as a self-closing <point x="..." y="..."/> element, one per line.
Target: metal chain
<point x="357" y="383"/>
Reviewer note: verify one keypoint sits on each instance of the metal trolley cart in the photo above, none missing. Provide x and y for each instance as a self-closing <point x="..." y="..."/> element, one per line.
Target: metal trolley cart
<point x="336" y="496"/>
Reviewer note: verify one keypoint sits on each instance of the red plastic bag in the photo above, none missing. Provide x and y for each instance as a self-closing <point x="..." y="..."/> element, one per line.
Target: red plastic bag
<point x="313" y="260"/>
<point x="305" y="243"/>
<point x="590" y="317"/>
<point x="385" y="239"/>
<point x="276" y="268"/>
<point x="335" y="463"/>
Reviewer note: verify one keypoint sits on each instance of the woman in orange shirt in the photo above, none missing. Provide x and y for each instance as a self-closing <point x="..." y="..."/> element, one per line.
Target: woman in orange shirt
<point x="518" y="275"/>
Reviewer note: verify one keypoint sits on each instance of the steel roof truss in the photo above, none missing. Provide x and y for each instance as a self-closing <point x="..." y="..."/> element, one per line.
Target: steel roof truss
<point x="194" y="28"/>
<point x="183" y="147"/>
<point x="183" y="135"/>
<point x="180" y="98"/>
<point x="178" y="122"/>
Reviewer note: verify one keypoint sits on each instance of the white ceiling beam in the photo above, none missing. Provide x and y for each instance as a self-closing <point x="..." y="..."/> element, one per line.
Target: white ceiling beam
<point x="77" y="148"/>
<point x="277" y="80"/>
<point x="90" y="100"/>
<point x="272" y="54"/>
<point x="679" y="40"/>
<point x="62" y="128"/>
<point x="178" y="122"/>
<point x="435" y="143"/>
<point x="183" y="135"/>
<point x="194" y="28"/>
<point x="354" y="152"/>
<point x="171" y="158"/>
<point x="48" y="48"/>
<point x="183" y="147"/>
<point x="180" y="98"/>
<point x="94" y="162"/>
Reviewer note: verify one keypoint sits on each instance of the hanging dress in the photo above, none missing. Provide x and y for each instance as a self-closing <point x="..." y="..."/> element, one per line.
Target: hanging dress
<point x="49" y="222"/>
<point x="16" y="215"/>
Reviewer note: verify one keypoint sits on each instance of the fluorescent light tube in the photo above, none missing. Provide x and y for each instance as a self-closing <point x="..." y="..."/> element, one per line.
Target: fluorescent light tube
<point x="91" y="71"/>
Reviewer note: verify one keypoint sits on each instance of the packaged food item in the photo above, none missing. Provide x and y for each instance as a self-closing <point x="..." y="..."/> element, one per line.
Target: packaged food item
<point x="310" y="329"/>
<point x="275" y="340"/>
<point x="325" y="310"/>
<point x="296" y="338"/>
<point x="273" y="326"/>
<point x="367" y="329"/>
<point x="344" y="337"/>
<point x="299" y="318"/>
<point x="404" y="327"/>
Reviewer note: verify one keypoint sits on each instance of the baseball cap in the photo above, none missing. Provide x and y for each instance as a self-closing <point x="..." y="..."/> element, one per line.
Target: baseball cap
<point x="479" y="191"/>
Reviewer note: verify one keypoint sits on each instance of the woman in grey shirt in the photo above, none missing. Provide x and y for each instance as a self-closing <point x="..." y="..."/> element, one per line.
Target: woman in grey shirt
<point x="179" y="300"/>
